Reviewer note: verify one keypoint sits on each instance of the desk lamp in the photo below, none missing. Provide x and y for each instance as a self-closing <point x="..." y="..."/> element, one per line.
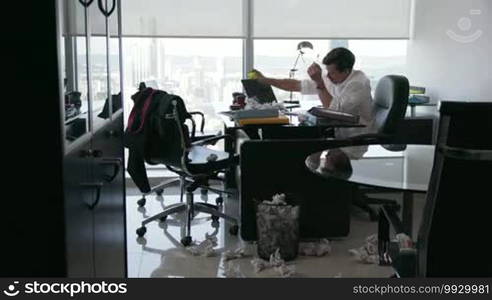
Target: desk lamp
<point x="301" y="47"/>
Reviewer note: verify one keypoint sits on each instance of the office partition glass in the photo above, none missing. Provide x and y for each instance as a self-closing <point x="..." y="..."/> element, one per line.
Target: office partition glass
<point x="82" y="83"/>
<point x="73" y="50"/>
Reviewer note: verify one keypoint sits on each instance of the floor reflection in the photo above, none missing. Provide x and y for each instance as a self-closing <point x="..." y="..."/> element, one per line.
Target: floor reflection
<point x="160" y="254"/>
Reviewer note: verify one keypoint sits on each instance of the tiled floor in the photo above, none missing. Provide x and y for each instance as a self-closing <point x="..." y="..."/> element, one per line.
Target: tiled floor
<point x="160" y="253"/>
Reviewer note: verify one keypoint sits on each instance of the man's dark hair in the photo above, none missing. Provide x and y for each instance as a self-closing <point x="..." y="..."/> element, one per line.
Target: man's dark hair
<point x="343" y="59"/>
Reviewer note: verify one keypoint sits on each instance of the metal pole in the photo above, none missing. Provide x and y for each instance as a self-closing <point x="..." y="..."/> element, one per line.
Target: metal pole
<point x="248" y="44"/>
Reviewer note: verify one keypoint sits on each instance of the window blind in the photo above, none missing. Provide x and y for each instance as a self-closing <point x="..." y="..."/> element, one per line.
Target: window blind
<point x="172" y="18"/>
<point x="331" y="19"/>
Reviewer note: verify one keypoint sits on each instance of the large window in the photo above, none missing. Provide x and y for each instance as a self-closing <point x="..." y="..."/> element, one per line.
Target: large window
<point x="204" y="72"/>
<point x="197" y="50"/>
<point x="276" y="58"/>
<point x="376" y="58"/>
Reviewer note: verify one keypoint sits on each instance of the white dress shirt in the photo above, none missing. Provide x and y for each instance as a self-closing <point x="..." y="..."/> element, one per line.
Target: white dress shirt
<point x="352" y="96"/>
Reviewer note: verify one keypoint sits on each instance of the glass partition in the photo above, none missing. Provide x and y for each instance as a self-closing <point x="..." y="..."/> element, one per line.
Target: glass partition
<point x="73" y="49"/>
<point x="114" y="61"/>
<point x="98" y="63"/>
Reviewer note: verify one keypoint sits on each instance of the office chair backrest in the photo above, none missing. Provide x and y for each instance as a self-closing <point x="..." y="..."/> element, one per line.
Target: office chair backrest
<point x="390" y="103"/>
<point x="456" y="217"/>
<point x="168" y="136"/>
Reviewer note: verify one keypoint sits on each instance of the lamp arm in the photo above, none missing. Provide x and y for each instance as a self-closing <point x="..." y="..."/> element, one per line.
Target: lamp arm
<point x="295" y="64"/>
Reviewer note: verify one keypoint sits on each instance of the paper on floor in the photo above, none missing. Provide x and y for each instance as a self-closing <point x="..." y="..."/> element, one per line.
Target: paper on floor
<point x="205" y="248"/>
<point x="276" y="262"/>
<point x="319" y="248"/>
<point x="367" y="253"/>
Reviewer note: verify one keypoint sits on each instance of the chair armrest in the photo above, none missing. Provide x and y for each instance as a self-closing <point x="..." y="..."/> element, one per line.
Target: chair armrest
<point x="211" y="140"/>
<point x="193" y="128"/>
<point x="202" y="124"/>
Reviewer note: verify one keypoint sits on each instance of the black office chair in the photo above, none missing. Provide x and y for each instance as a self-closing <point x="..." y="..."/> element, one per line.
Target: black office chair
<point x="170" y="144"/>
<point x="194" y="136"/>
<point x="389" y="108"/>
<point x="456" y="216"/>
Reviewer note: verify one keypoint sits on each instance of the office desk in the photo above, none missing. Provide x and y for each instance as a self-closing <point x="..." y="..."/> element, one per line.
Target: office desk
<point x="275" y="165"/>
<point x="407" y="171"/>
<point x="413" y="111"/>
<point x="292" y="131"/>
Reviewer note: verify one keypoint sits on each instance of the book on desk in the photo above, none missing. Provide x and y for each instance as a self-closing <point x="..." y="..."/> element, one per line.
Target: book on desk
<point x="279" y="120"/>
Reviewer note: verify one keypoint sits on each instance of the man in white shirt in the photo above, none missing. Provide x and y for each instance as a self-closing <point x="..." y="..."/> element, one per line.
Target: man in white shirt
<point x="339" y="87"/>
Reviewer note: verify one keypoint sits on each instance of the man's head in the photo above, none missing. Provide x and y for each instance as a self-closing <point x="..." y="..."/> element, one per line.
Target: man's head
<point x="339" y="63"/>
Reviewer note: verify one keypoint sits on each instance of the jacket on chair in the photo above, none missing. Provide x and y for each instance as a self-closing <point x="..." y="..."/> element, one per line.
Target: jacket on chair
<point x="148" y="135"/>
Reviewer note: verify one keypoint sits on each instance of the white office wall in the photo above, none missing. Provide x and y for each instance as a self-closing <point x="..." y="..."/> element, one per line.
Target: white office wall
<point x="452" y="67"/>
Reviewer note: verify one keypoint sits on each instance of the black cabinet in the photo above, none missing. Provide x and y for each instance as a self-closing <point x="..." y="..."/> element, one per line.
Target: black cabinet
<point x="78" y="218"/>
<point x="108" y="214"/>
<point x="94" y="205"/>
<point x="65" y="215"/>
<point x="93" y="160"/>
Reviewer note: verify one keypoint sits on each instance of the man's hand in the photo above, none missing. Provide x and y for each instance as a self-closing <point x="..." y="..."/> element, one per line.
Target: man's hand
<point x="258" y="75"/>
<point x="314" y="71"/>
<point x="283" y="84"/>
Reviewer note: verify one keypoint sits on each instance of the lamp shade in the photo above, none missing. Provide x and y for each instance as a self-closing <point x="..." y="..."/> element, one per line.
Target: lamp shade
<point x="304" y="44"/>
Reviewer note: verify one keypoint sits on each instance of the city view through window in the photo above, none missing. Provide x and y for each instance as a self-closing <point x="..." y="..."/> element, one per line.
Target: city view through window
<point x="205" y="72"/>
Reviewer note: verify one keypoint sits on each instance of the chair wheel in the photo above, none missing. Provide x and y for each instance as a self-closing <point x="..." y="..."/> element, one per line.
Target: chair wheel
<point x="141" y="202"/>
<point x="163" y="219"/>
<point x="215" y="218"/>
<point x="141" y="231"/>
<point x="219" y="201"/>
<point x="159" y="192"/>
<point x="186" y="241"/>
<point x="234" y="230"/>
<point x="204" y="191"/>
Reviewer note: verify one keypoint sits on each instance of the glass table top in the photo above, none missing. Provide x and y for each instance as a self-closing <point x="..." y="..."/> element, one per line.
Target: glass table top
<point x="406" y="170"/>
